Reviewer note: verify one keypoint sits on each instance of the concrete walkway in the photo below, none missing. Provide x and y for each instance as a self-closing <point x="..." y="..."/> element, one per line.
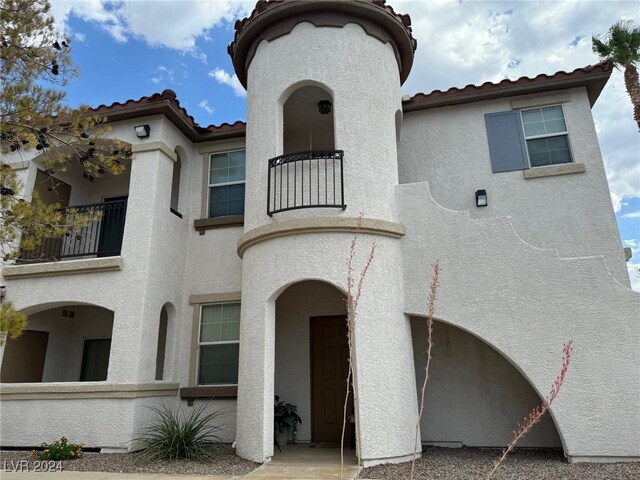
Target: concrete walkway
<point x="304" y="462"/>
<point x="294" y="462"/>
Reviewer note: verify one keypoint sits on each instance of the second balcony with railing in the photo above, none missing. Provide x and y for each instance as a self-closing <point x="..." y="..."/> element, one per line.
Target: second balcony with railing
<point x="309" y="179"/>
<point x="98" y="232"/>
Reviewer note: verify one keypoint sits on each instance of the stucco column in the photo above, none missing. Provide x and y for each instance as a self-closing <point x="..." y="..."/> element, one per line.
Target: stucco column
<point x="148" y="198"/>
<point x="385" y="371"/>
<point x="254" y="431"/>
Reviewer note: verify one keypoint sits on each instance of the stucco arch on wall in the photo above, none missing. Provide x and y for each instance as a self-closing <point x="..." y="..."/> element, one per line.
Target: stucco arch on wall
<point x="286" y="95"/>
<point x="398" y="119"/>
<point x="295" y="86"/>
<point x="496" y="347"/>
<point x="182" y="163"/>
<point x="41" y="307"/>
<point x="273" y="296"/>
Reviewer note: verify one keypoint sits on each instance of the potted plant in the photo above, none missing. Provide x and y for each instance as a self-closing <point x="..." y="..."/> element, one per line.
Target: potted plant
<point x="286" y="420"/>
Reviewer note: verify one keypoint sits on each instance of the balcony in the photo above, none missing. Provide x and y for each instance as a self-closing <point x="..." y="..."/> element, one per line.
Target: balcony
<point x="100" y="236"/>
<point x="310" y="179"/>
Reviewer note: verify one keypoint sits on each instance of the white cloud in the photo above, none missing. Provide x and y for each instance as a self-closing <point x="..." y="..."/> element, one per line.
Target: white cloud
<point x="231" y="80"/>
<point x="631" y="243"/>
<point x="205" y="105"/>
<point x="170" y="23"/>
<point x="174" y="75"/>
<point x="634" y="275"/>
<point x="615" y="200"/>
<point x="79" y="36"/>
<point x="631" y="215"/>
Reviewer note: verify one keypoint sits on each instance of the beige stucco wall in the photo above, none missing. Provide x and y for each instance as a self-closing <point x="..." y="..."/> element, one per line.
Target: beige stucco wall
<point x="448" y="148"/>
<point x="526" y="302"/>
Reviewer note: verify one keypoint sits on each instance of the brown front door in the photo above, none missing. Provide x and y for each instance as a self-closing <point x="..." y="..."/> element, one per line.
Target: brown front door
<point x="23" y="360"/>
<point x="329" y="367"/>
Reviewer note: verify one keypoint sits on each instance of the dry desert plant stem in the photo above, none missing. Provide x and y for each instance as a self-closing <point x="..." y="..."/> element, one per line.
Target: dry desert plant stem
<point x="536" y="414"/>
<point x="431" y="305"/>
<point x="353" y="298"/>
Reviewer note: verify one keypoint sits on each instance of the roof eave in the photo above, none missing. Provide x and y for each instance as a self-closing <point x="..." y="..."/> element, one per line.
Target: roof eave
<point x="174" y="114"/>
<point x="594" y="84"/>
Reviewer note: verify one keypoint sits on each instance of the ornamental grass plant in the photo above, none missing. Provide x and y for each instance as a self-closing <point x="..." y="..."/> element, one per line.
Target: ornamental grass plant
<point x="175" y="435"/>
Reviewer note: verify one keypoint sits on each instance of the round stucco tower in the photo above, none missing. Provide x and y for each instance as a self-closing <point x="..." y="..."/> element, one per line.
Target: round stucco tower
<point x="323" y="85"/>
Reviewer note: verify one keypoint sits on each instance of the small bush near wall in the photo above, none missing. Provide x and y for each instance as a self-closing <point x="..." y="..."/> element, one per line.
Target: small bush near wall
<point x="173" y="434"/>
<point x="59" y="450"/>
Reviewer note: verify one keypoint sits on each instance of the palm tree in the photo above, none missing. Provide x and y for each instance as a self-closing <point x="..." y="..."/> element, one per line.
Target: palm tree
<point x="622" y="47"/>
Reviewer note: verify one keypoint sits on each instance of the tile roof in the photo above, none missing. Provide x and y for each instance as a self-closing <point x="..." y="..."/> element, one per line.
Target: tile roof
<point x="274" y="18"/>
<point x="166" y="103"/>
<point x="592" y="77"/>
<point x="265" y="5"/>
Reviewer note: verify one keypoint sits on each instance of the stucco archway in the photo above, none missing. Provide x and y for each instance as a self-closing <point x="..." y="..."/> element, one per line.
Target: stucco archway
<point x="301" y="309"/>
<point x="475" y="395"/>
<point x="63" y="342"/>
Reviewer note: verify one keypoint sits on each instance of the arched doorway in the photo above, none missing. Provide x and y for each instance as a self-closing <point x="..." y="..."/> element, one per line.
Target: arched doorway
<point x="311" y="358"/>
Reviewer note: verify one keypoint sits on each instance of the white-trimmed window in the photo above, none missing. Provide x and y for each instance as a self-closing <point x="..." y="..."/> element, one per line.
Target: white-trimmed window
<point x="546" y="136"/>
<point x="226" y="184"/>
<point x="218" y="344"/>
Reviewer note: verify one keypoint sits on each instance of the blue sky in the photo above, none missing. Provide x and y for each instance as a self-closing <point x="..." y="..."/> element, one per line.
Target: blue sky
<point x="129" y="49"/>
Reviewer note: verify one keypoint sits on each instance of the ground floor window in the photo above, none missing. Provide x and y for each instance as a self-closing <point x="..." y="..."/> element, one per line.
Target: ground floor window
<point x="218" y="344"/>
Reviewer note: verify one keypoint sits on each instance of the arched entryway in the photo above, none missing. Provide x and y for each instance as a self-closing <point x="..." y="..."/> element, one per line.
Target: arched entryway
<point x="311" y="358"/>
<point x="474" y="396"/>
<point x="65" y="343"/>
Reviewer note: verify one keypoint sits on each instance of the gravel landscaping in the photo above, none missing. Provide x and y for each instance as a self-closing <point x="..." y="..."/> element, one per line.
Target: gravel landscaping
<point x="436" y="463"/>
<point x="223" y="462"/>
<point x="469" y="463"/>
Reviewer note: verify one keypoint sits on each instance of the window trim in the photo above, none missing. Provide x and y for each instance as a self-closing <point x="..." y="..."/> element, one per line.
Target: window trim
<point x="546" y="135"/>
<point x="209" y="185"/>
<point x="199" y="344"/>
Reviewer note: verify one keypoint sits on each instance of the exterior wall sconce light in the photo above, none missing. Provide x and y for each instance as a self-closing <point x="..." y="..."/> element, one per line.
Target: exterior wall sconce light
<point x="481" y="198"/>
<point x="324" y="107"/>
<point x="142" y="131"/>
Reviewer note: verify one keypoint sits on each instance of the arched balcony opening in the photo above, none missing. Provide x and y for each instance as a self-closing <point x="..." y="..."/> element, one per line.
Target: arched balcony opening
<point x="309" y="172"/>
<point x="69" y="343"/>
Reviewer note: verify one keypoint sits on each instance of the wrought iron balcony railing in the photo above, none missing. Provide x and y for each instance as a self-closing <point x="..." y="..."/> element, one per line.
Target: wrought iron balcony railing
<point x="311" y="179"/>
<point x="100" y="237"/>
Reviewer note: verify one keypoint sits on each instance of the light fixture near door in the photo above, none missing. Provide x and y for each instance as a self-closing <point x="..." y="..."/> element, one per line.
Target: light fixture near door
<point x="481" y="198"/>
<point x="324" y="107"/>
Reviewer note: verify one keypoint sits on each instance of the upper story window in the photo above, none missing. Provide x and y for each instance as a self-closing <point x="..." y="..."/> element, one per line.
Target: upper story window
<point x="226" y="184"/>
<point x="521" y="139"/>
<point x="546" y="136"/>
<point x="219" y="344"/>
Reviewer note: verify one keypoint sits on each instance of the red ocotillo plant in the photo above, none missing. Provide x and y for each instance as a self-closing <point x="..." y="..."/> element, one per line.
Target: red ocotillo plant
<point x="536" y="414"/>
<point x="354" y="292"/>
<point x="431" y="306"/>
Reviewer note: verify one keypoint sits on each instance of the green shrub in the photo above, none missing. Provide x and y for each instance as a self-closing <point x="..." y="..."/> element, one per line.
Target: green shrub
<point x="59" y="450"/>
<point x="173" y="435"/>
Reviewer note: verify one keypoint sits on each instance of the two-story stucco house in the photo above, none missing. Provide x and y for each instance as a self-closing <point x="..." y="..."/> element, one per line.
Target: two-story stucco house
<point x="217" y="270"/>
